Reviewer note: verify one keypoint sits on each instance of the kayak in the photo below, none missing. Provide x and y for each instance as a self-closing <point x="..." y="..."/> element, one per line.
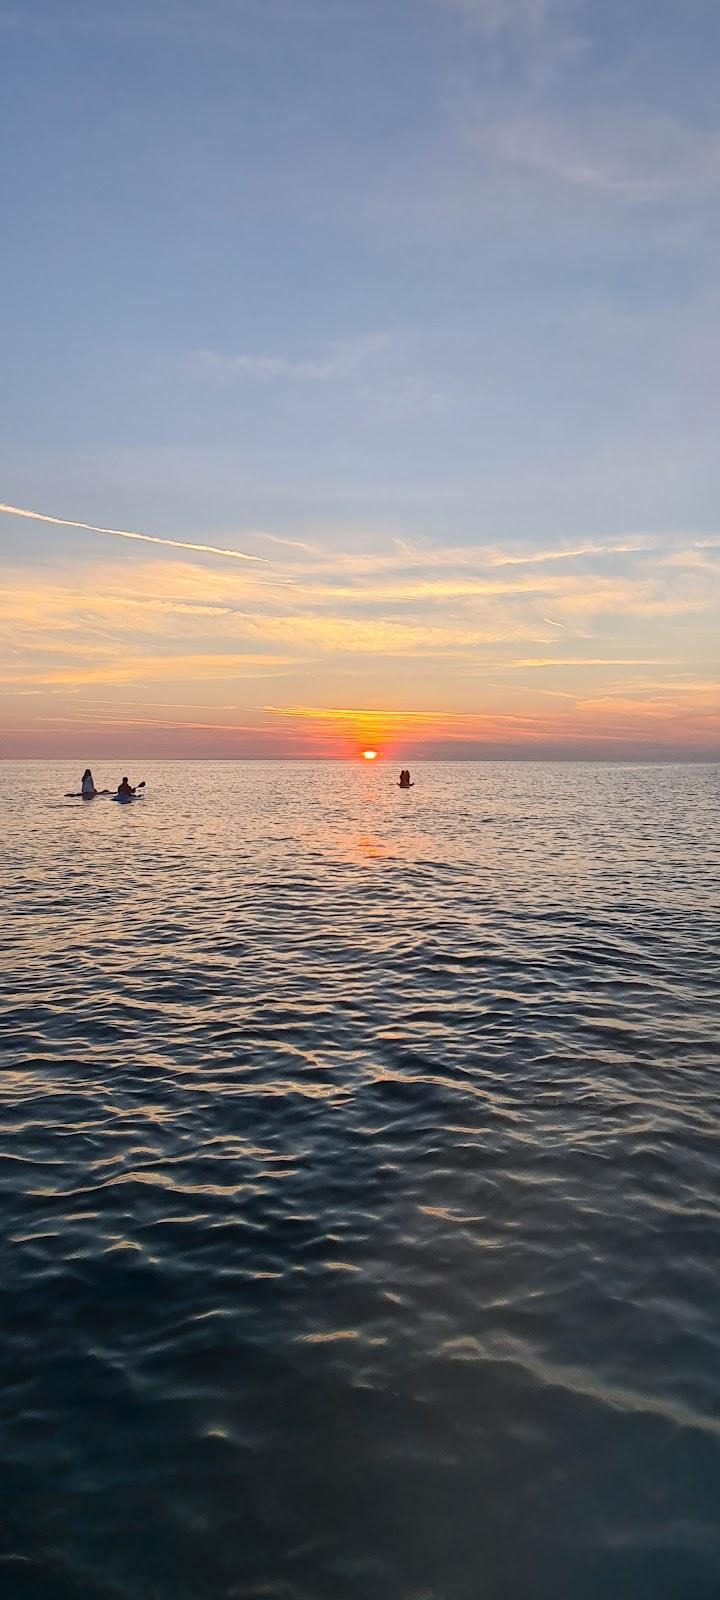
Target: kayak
<point x="125" y="799"/>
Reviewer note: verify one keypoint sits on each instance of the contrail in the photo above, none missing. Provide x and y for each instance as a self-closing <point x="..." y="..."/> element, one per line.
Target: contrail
<point x="124" y="533"/>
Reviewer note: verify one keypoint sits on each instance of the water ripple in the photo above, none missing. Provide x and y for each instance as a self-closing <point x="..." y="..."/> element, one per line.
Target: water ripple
<point x="360" y="1185"/>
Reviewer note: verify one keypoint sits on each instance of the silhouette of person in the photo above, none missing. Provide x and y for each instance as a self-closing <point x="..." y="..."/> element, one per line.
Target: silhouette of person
<point x="87" y="787"/>
<point x="125" y="787"/>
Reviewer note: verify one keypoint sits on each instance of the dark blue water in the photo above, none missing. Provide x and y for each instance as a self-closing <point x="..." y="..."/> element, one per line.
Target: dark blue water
<point x="360" y="1184"/>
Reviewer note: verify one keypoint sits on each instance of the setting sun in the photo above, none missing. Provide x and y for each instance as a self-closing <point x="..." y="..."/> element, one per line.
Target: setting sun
<point x="369" y="755"/>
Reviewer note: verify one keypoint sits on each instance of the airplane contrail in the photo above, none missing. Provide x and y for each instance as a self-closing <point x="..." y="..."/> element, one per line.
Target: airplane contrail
<point x="125" y="533"/>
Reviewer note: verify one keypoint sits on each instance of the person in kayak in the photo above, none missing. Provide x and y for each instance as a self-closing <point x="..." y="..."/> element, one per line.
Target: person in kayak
<point x="404" y="780"/>
<point x="125" y="787"/>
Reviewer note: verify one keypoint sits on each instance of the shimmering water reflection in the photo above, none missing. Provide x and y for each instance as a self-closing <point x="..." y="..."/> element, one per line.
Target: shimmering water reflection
<point x="360" y="1185"/>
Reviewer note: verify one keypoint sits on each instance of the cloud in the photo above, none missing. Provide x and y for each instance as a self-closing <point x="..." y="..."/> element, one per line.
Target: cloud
<point x="591" y="727"/>
<point x="124" y="533"/>
<point x="483" y="555"/>
<point x="339" y="361"/>
<point x="641" y="158"/>
<point x="543" y="35"/>
<point x="539" y="557"/>
<point x="200" y="667"/>
<point x="469" y="628"/>
<point x="595" y="661"/>
<point x="385" y="725"/>
<point x="524" y="19"/>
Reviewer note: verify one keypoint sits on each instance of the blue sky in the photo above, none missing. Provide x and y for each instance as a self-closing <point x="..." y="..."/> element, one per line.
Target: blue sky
<point x="438" y="275"/>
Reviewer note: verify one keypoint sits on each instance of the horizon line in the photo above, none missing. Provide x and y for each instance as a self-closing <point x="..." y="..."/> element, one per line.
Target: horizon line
<point x="696" y="759"/>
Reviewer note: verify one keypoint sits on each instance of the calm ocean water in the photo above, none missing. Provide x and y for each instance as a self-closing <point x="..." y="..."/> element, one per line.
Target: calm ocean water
<point x="360" y="1184"/>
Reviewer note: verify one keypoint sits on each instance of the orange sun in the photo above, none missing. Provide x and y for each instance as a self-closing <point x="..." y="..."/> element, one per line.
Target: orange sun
<point x="369" y="755"/>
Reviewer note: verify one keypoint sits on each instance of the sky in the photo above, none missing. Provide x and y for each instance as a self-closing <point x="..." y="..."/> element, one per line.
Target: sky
<point x="361" y="369"/>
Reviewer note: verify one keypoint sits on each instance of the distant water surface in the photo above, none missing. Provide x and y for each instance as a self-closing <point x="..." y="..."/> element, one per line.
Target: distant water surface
<point x="360" y="1184"/>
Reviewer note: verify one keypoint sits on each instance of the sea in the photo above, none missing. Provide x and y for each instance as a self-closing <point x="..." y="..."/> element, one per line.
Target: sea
<point x="360" y="1183"/>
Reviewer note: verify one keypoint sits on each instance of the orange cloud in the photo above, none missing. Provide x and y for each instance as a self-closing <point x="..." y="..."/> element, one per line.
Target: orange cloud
<point x="399" y="626"/>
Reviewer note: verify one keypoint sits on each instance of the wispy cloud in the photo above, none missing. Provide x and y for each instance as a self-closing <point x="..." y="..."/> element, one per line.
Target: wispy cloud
<point x="628" y="155"/>
<point x="125" y="533"/>
<point x="385" y="371"/>
<point x="524" y="19"/>
<point x="620" y="726"/>
<point x="340" y="360"/>
<point x="469" y="627"/>
<point x="596" y="661"/>
<point x="488" y="556"/>
<point x="544" y="34"/>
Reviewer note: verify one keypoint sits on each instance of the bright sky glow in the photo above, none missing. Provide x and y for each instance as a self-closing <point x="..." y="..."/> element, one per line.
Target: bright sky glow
<point x="360" y="378"/>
